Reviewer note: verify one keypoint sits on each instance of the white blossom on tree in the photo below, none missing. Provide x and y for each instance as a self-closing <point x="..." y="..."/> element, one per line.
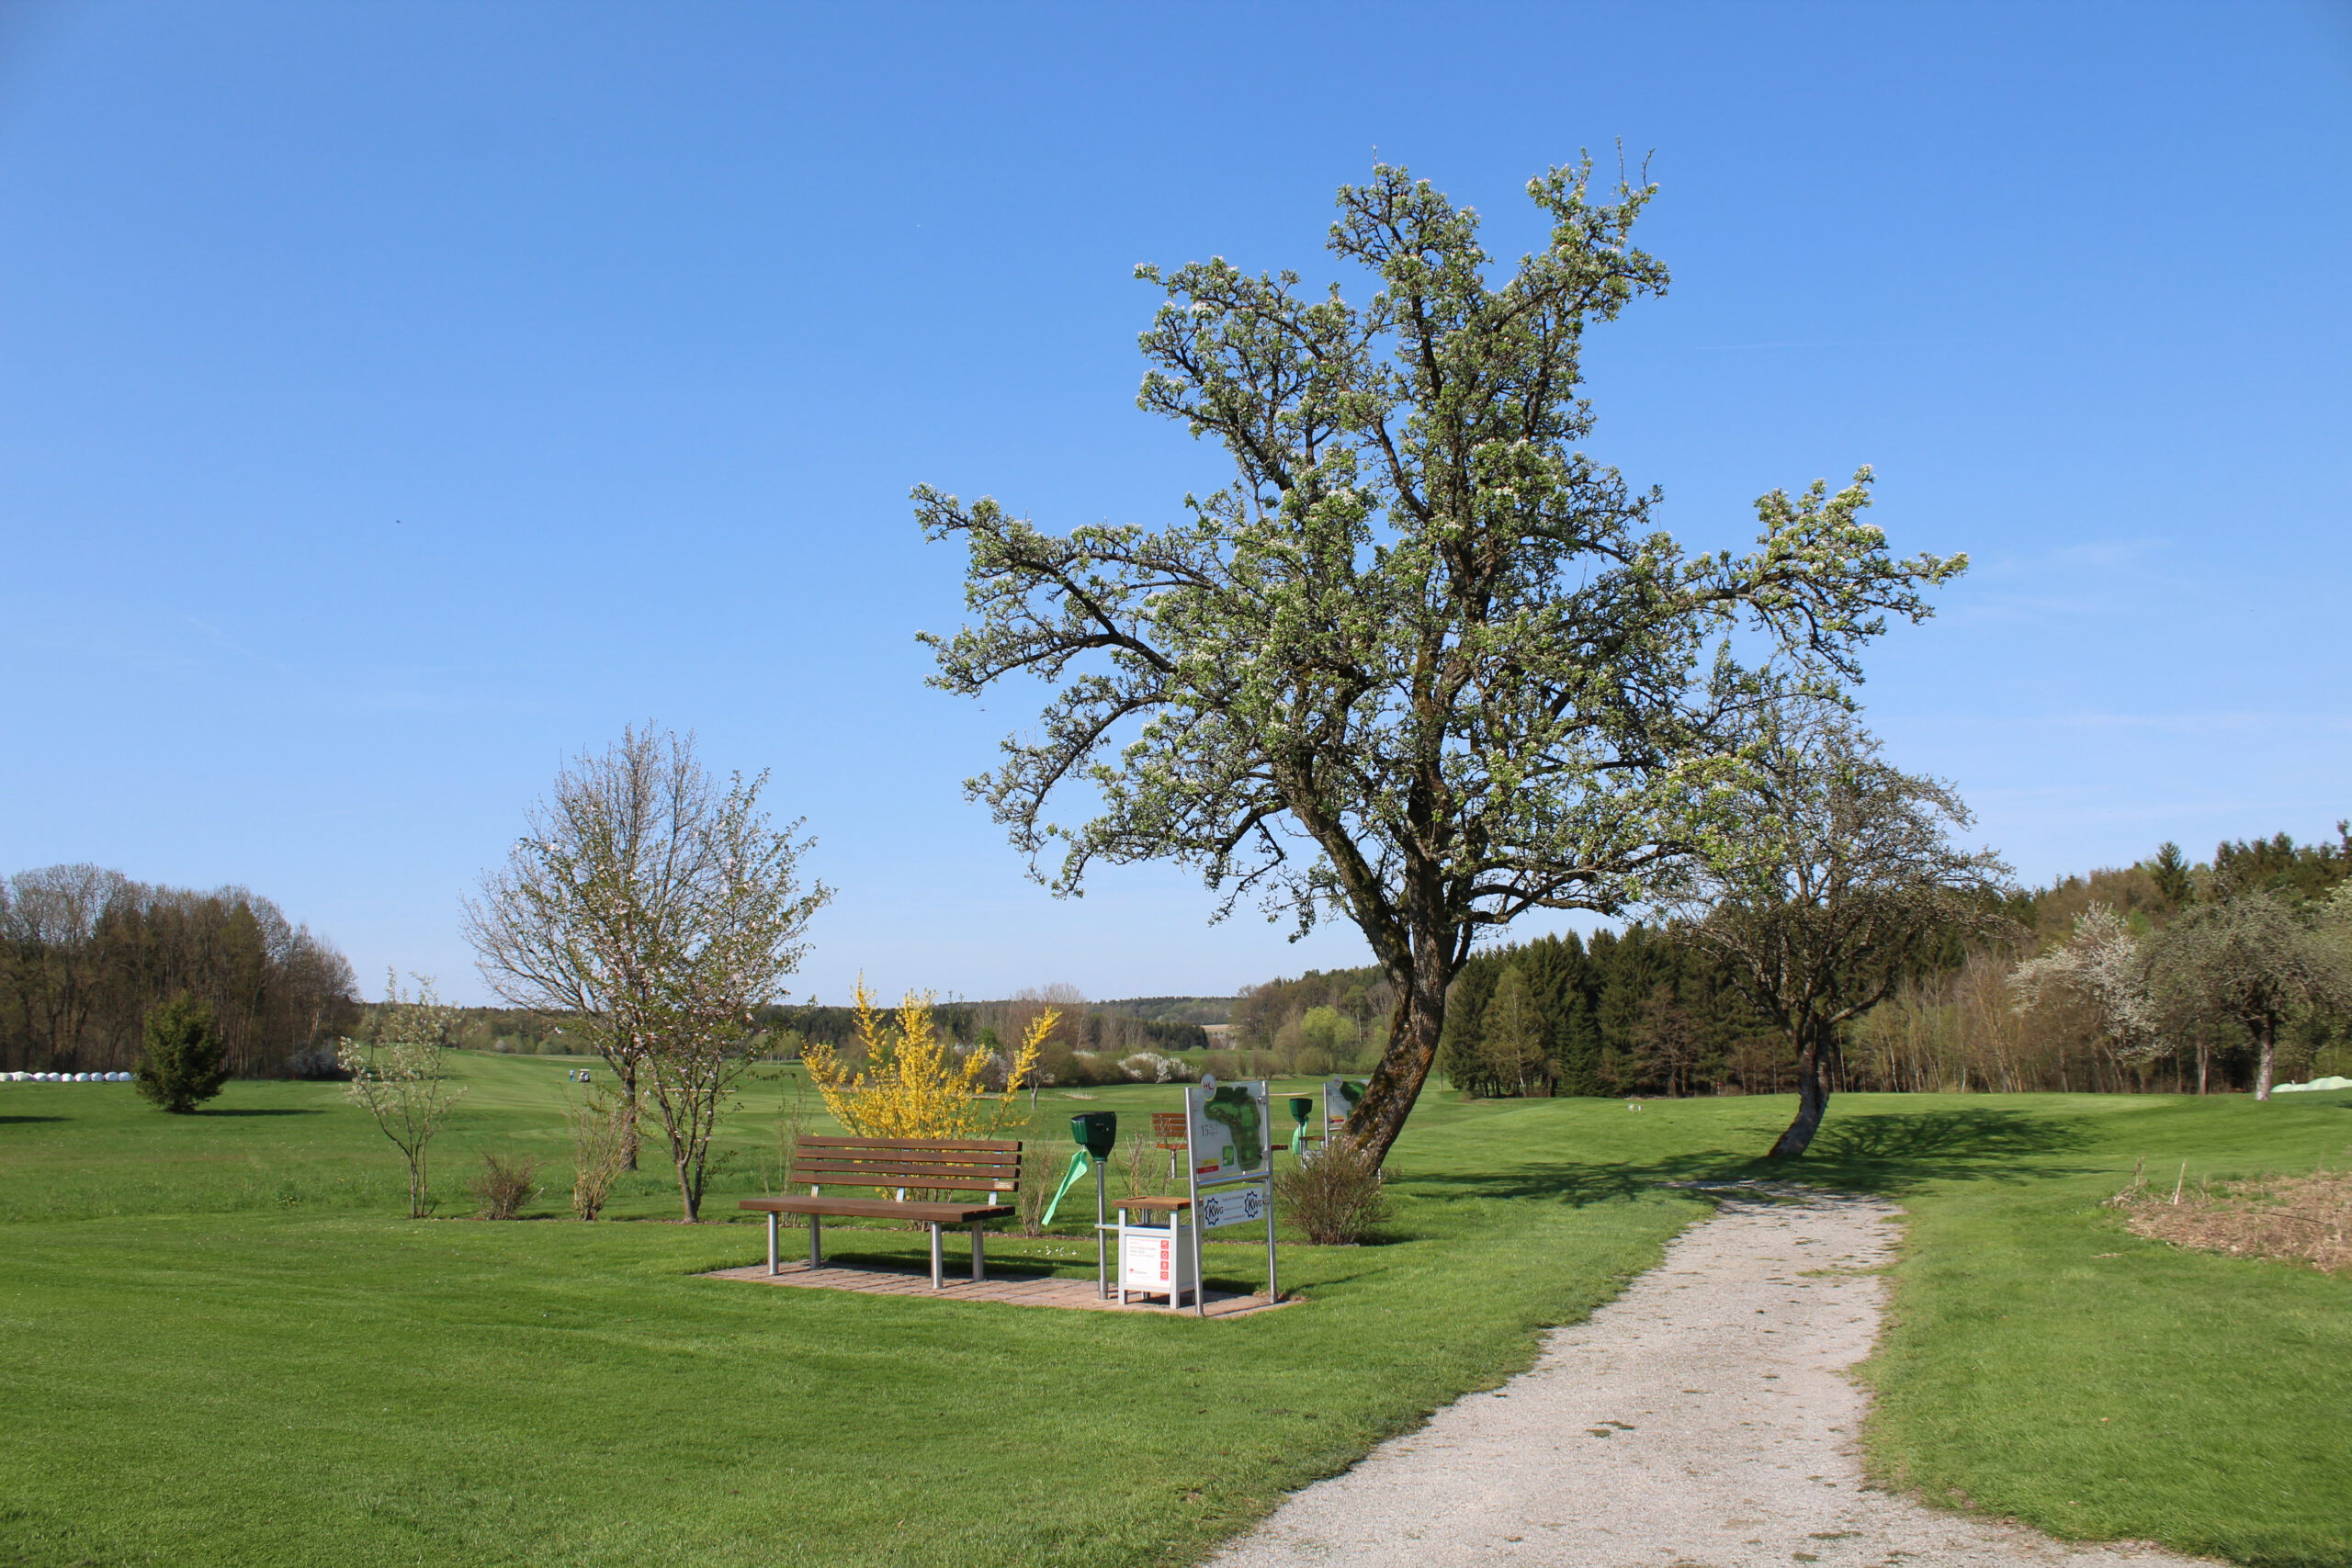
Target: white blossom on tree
<point x="1424" y="663"/>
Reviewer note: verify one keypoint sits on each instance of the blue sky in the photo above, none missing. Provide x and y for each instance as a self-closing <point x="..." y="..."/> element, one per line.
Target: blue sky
<point x="401" y="397"/>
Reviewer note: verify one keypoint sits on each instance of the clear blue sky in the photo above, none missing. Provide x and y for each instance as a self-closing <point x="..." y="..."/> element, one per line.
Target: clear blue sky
<point x="399" y="397"/>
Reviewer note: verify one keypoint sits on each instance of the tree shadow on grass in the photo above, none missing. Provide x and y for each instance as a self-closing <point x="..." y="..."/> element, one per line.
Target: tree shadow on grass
<point x="6" y="1120"/>
<point x="1887" y="1153"/>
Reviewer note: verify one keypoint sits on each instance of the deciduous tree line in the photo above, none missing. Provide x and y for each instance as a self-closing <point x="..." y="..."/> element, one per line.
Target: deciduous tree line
<point x="2159" y="976"/>
<point x="1081" y="1027"/>
<point x="85" y="953"/>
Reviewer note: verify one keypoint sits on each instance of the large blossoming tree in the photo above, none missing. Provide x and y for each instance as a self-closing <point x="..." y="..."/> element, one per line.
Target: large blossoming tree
<point x="1423" y="663"/>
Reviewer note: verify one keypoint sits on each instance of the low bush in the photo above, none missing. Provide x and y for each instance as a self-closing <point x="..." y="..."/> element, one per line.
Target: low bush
<point x="503" y="1186"/>
<point x="1335" y="1197"/>
<point x="599" y="1151"/>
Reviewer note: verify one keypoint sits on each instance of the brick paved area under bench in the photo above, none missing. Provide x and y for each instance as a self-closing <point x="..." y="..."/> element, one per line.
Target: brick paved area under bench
<point x="1048" y="1292"/>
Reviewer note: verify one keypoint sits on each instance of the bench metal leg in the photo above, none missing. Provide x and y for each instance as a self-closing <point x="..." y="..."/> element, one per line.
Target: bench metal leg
<point x="980" y="1268"/>
<point x="816" y="1243"/>
<point x="772" y="1230"/>
<point x="938" y="1261"/>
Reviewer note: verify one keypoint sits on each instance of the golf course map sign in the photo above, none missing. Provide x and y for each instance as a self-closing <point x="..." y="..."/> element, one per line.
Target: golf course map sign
<point x="1229" y="1128"/>
<point x="1230" y="1160"/>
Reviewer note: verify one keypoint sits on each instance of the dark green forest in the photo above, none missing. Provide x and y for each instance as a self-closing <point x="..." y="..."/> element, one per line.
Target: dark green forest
<point x="1649" y="1010"/>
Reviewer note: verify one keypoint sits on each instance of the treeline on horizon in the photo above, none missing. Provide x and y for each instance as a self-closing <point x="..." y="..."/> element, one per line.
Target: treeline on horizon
<point x="84" y="952"/>
<point x="1651" y="1010"/>
<point x="1090" y="1042"/>
<point x="1644" y="1010"/>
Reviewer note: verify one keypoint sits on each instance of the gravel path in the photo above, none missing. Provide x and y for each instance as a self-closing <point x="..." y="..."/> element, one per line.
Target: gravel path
<point x="1700" y="1420"/>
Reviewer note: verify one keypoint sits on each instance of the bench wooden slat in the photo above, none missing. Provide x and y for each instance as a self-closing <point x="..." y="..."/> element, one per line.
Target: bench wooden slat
<point x="959" y="1145"/>
<point x="817" y="1159"/>
<point x="895" y="1183"/>
<point x="881" y="1209"/>
<point x="843" y="1171"/>
<point x="899" y="1160"/>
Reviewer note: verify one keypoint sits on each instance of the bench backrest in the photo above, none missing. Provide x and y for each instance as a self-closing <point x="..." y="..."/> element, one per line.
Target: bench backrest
<point x="1168" y="1126"/>
<point x="940" y="1165"/>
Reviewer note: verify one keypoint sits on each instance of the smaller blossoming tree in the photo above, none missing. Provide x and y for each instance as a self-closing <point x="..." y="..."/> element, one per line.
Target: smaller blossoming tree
<point x="400" y="1075"/>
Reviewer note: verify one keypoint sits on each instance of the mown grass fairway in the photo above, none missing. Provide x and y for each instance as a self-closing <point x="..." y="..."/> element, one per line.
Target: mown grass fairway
<point x="226" y="1347"/>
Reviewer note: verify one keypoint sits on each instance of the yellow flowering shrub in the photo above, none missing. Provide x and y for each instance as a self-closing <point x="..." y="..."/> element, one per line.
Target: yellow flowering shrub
<point x="912" y="1085"/>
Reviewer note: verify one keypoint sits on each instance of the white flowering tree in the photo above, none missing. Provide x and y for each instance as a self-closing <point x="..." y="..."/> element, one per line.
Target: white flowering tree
<point x="2102" y="967"/>
<point x="658" y="910"/>
<point x="1423" y="663"/>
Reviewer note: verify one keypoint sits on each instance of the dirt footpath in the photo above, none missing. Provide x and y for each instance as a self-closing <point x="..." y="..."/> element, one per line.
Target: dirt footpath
<point x="1700" y="1420"/>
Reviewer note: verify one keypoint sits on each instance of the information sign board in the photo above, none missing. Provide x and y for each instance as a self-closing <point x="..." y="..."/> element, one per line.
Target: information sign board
<point x="1229" y="1129"/>
<point x="1340" y="1096"/>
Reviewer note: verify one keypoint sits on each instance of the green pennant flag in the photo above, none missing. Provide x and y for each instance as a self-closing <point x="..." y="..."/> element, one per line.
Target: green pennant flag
<point x="1078" y="1164"/>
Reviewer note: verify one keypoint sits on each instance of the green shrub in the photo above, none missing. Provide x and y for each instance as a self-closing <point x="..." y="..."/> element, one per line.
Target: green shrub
<point x="185" y="1059"/>
<point x="599" y="1151"/>
<point x="503" y="1185"/>
<point x="1335" y="1197"/>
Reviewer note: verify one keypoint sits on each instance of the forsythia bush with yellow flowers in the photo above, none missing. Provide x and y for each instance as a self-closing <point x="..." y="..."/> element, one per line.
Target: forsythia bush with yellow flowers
<point x="912" y="1085"/>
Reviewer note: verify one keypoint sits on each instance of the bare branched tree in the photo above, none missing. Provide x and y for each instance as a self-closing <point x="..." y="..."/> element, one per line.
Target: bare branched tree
<point x="658" y="909"/>
<point x="1840" y="880"/>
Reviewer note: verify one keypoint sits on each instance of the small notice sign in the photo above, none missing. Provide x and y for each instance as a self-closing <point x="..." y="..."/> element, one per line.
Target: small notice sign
<point x="1243" y="1202"/>
<point x="1340" y="1096"/>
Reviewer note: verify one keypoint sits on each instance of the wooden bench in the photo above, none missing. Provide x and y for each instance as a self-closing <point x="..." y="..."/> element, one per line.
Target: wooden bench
<point x="900" y="1166"/>
<point x="1171" y="1131"/>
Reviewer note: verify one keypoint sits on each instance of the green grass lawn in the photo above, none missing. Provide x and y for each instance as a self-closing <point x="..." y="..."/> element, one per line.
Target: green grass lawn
<point x="225" y="1346"/>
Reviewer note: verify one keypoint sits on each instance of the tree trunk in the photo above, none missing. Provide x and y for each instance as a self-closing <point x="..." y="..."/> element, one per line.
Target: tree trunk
<point x="1388" y="1099"/>
<point x="2204" y="1066"/>
<point x="2265" y="1057"/>
<point x="625" y="1070"/>
<point x="1812" y="1102"/>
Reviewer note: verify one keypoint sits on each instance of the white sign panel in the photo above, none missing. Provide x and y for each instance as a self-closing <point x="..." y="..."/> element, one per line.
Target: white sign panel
<point x="1340" y="1096"/>
<point x="1228" y="1131"/>
<point x="1154" y="1262"/>
<point x="1244" y="1202"/>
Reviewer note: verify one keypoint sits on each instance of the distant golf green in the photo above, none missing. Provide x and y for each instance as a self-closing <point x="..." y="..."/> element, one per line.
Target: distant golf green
<point x="224" y="1345"/>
